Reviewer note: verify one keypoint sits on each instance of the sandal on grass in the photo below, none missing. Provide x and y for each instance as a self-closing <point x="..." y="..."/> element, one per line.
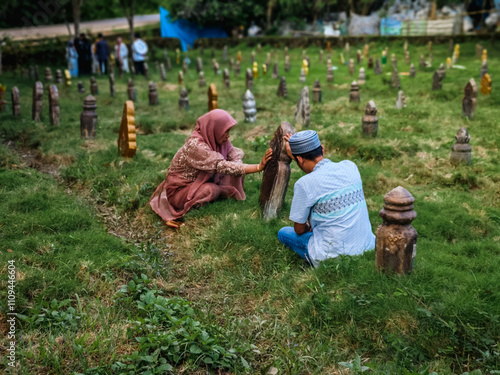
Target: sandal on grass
<point x="174" y="224"/>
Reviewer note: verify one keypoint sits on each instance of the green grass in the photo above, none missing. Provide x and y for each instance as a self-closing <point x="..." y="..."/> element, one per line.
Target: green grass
<point x="443" y="317"/>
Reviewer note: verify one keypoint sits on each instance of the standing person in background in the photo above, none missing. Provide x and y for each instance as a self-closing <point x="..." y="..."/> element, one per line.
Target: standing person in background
<point x="121" y="55"/>
<point x="95" y="61"/>
<point x="102" y="52"/>
<point x="139" y="51"/>
<point x="72" y="57"/>
<point x="82" y="47"/>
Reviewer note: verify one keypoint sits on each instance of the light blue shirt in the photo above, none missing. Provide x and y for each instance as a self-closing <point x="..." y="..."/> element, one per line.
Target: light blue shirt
<point x="139" y="50"/>
<point x="331" y="198"/>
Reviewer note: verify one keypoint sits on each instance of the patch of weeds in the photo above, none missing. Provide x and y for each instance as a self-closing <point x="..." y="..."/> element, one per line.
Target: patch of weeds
<point x="169" y="333"/>
<point x="148" y="258"/>
<point x="377" y="153"/>
<point x="50" y="316"/>
<point x="261" y="143"/>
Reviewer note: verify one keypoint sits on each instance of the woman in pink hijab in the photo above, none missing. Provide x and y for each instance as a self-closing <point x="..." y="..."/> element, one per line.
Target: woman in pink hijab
<point x="206" y="168"/>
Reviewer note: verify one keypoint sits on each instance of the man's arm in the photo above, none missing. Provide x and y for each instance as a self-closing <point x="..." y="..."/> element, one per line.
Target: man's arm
<point x="301" y="228"/>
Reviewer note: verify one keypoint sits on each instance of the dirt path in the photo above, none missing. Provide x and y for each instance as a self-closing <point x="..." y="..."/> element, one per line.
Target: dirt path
<point x="103" y="26"/>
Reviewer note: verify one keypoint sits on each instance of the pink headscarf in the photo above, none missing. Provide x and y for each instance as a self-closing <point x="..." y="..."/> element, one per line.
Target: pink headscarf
<point x="210" y="128"/>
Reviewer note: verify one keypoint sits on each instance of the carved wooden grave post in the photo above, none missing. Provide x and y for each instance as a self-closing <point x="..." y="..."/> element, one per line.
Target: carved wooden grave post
<point x="127" y="138"/>
<point x="88" y="119"/>
<point x="53" y="105"/>
<point x="396" y="239"/>
<point x="36" y="111"/>
<point x="276" y="174"/>
<point x="212" y="97"/>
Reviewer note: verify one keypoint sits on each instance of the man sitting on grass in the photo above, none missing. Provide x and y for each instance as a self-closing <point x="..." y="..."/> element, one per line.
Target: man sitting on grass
<point x="328" y="207"/>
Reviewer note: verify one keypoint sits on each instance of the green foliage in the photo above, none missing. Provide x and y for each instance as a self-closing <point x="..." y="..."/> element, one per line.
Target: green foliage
<point x="52" y="316"/>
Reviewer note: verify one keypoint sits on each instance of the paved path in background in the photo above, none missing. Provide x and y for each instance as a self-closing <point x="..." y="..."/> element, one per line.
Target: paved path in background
<point x="102" y="26"/>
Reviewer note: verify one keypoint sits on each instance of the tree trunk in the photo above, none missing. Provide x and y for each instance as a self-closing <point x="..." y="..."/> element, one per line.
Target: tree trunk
<point x="270" y="6"/>
<point x="76" y="15"/>
<point x="128" y="10"/>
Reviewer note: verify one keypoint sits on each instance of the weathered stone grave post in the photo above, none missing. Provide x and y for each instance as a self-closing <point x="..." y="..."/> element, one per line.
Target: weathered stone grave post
<point x="59" y="78"/>
<point x="183" y="99"/>
<point x="36" y="112"/>
<point x="401" y="101"/>
<point x="237" y="69"/>
<point x="212" y="97"/>
<point x="413" y="71"/>
<point x="88" y="119"/>
<point x="146" y="70"/>
<point x="469" y="102"/>
<point x="112" y="90"/>
<point x="276" y="174"/>
<point x="396" y="239"/>
<point x="276" y="71"/>
<point x="249" y="79"/>
<point x="53" y="105"/>
<point x="48" y="75"/>
<point x="329" y="74"/>
<point x="80" y="87"/>
<point x="361" y="76"/>
<point x="127" y="137"/>
<point x="249" y="107"/>
<point x="201" y="80"/>
<point x="303" y="111"/>
<point x="354" y="96"/>
<point x="422" y="61"/>
<point x="395" y="79"/>
<point x="461" y="150"/>
<point x="351" y="67"/>
<point x="287" y="64"/>
<point x="370" y="120"/>
<point x="16" y="102"/>
<point x="378" y="67"/>
<point x="131" y="91"/>
<point x="224" y="53"/>
<point x="484" y="68"/>
<point x="225" y="78"/>
<point x="282" y="90"/>
<point x="94" y="89"/>
<point x="302" y="77"/>
<point x="436" y="81"/>
<point x="153" y="94"/>
<point x="199" y="64"/>
<point x="317" y="91"/>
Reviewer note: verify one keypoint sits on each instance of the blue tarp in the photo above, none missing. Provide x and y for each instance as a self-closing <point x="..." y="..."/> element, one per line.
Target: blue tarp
<point x="186" y="31"/>
<point x="390" y="26"/>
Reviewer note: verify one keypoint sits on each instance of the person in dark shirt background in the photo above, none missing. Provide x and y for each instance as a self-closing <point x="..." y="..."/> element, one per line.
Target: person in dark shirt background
<point x="82" y="47"/>
<point x="102" y="52"/>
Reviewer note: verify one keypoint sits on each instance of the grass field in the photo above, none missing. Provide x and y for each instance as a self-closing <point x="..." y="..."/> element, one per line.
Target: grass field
<point x="222" y="295"/>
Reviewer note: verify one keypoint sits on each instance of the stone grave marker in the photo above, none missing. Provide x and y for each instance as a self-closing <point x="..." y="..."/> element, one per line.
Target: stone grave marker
<point x="212" y="98"/>
<point x="127" y="136"/>
<point x="36" y="111"/>
<point x="201" y="80"/>
<point x="413" y="71"/>
<point x="422" y="61"/>
<point x="461" y="150"/>
<point x="153" y="94"/>
<point x="59" y="77"/>
<point x="183" y="99"/>
<point x="224" y="53"/>
<point x="354" y="96"/>
<point x="351" y="67"/>
<point x="199" y="64"/>
<point x="484" y="68"/>
<point x="237" y="69"/>
<point x="361" y="76"/>
<point x="442" y="71"/>
<point x="282" y="90"/>
<point x="180" y="78"/>
<point x="395" y="79"/>
<point x="184" y="67"/>
<point x="163" y="74"/>
<point x="469" y="102"/>
<point x="358" y="56"/>
<point x="131" y="91"/>
<point x="329" y="74"/>
<point x="407" y="58"/>
<point x="329" y="47"/>
<point x="285" y="50"/>
<point x="436" y="81"/>
<point x="112" y="90"/>
<point x="16" y="102"/>
<point x="396" y="239"/>
<point x="225" y="78"/>
<point x="302" y="77"/>
<point x="231" y="63"/>
<point x="394" y="61"/>
<point x="401" y="101"/>
<point x="370" y="63"/>
<point x="80" y="87"/>
<point x="94" y="89"/>
<point x="249" y="79"/>
<point x="252" y="57"/>
<point x="169" y="65"/>
<point x="276" y="174"/>
<point x="303" y="111"/>
<point x="370" y="120"/>
<point x="366" y="50"/>
<point x="88" y="118"/>
<point x="146" y="70"/>
<point x="378" y="67"/>
<point x="317" y="91"/>
<point x="54" y="105"/>
<point x="287" y="64"/>
<point x="48" y="75"/>
<point x="276" y="71"/>
<point x="249" y="107"/>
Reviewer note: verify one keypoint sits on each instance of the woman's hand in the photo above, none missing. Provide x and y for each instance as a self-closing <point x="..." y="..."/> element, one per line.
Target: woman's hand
<point x="265" y="159"/>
